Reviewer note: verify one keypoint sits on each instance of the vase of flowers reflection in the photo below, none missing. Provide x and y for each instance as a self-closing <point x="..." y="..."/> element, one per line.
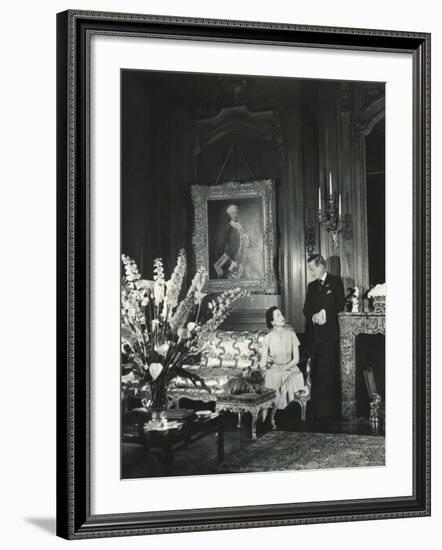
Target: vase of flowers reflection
<point x="163" y="329"/>
<point x="377" y="295"/>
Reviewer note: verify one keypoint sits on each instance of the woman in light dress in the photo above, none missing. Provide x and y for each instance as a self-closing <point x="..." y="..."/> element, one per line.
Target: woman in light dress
<point x="280" y="358"/>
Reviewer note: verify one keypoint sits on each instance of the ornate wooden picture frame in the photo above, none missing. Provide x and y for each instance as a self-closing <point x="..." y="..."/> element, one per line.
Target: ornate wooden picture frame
<point x="75" y="513"/>
<point x="217" y="243"/>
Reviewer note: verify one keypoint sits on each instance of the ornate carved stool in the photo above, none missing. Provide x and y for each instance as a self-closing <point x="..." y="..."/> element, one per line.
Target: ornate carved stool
<point x="253" y="403"/>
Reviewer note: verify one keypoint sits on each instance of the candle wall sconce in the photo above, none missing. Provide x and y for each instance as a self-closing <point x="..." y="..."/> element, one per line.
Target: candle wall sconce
<point x="330" y="213"/>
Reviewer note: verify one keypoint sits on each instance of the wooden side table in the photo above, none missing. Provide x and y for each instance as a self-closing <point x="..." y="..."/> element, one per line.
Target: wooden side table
<point x="168" y="442"/>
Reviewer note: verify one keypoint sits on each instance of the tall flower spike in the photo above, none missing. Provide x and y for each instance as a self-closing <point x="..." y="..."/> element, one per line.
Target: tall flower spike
<point x="183" y="310"/>
<point x="175" y="283"/>
<point x="158" y="269"/>
<point x="130" y="267"/>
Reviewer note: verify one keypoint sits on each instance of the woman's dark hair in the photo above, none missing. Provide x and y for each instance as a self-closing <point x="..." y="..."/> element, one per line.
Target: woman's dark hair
<point x="269" y="316"/>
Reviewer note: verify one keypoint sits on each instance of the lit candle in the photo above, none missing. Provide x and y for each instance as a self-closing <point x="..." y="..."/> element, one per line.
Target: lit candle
<point x="339" y="209"/>
<point x="331" y="185"/>
<point x="320" y="201"/>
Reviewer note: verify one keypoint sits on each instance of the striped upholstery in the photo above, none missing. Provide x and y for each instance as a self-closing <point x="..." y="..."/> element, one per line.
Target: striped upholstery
<point x="228" y="348"/>
<point x="228" y="354"/>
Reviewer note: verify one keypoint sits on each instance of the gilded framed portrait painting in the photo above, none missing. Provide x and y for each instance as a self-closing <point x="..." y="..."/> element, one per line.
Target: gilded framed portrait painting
<point x="234" y="234"/>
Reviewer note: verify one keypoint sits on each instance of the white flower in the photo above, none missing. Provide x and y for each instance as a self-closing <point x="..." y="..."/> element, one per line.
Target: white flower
<point x="128" y="378"/>
<point x="175" y="283"/>
<point x="183" y="333"/>
<point x="155" y="370"/>
<point x="162" y="349"/>
<point x="158" y="291"/>
<point x="378" y="290"/>
<point x="191" y="326"/>
<point x="130" y="268"/>
<point x="158" y="269"/>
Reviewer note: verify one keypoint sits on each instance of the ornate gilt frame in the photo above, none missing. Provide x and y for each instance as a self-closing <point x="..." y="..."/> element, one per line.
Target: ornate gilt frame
<point x="263" y="189"/>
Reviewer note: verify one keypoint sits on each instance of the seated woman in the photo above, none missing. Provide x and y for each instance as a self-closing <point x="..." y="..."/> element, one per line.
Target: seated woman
<point x="280" y="357"/>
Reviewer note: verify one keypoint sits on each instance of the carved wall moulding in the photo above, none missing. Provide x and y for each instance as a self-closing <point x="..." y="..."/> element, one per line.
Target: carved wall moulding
<point x="237" y="120"/>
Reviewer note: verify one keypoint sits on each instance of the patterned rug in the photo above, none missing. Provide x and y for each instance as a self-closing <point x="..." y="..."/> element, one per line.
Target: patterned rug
<point x="278" y="451"/>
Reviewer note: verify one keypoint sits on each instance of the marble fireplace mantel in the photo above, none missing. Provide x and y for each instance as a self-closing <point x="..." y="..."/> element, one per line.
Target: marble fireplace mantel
<point x="352" y="324"/>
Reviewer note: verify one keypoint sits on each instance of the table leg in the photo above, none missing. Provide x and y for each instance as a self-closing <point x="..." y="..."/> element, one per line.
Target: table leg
<point x="255" y="415"/>
<point x="220" y="439"/>
<point x="272" y="417"/>
<point x="167" y="455"/>
<point x="303" y="409"/>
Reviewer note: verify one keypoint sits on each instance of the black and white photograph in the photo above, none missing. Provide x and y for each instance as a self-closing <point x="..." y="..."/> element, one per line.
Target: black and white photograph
<point x="253" y="270"/>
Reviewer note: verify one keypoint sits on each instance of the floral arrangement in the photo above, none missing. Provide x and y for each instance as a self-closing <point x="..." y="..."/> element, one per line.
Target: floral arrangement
<point x="159" y="332"/>
<point x="377" y="295"/>
<point x="377" y="291"/>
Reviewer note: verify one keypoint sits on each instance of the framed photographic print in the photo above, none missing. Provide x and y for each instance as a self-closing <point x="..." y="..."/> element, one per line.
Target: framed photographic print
<point x="235" y="199"/>
<point x="234" y="234"/>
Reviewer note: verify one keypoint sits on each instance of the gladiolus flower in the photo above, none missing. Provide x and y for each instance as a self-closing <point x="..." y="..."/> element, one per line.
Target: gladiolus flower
<point x="158" y="291"/>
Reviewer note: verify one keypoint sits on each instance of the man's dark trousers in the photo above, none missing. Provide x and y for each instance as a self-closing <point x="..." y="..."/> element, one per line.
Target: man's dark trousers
<point x="325" y="394"/>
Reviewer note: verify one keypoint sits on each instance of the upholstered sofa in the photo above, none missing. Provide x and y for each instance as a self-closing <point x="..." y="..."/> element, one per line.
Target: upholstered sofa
<point x="231" y="354"/>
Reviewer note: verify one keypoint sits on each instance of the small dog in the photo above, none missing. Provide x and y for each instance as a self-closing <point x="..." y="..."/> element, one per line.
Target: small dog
<point x="252" y="382"/>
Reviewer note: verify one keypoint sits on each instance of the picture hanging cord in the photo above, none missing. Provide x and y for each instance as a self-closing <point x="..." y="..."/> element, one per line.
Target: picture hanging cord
<point x="227" y="158"/>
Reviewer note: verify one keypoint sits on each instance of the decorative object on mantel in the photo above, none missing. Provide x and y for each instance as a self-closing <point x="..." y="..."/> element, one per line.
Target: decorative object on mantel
<point x="352" y="300"/>
<point x="159" y="333"/>
<point x="377" y="295"/>
<point x="331" y="215"/>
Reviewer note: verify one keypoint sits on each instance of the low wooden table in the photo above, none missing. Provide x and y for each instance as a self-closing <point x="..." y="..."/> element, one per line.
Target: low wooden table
<point x="168" y="442"/>
<point x="253" y="403"/>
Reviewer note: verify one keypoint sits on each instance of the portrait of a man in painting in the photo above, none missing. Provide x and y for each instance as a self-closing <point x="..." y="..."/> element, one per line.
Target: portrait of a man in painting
<point x="235" y="239"/>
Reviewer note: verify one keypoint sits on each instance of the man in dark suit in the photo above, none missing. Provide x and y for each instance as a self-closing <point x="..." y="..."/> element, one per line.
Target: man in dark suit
<point x="325" y="298"/>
